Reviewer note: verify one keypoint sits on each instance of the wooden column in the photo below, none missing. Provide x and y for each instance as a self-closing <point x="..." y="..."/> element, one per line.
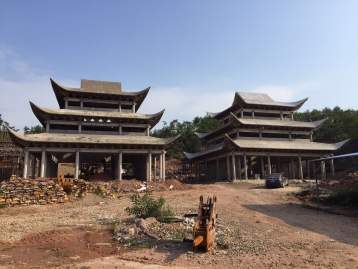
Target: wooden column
<point x="149" y="170"/>
<point x="268" y="164"/>
<point x="163" y="165"/>
<point x="120" y="165"/>
<point x="250" y="166"/>
<point x="77" y="164"/>
<point x="228" y="167"/>
<point x="39" y="168"/>
<point x="233" y="166"/>
<point x="300" y="173"/>
<point x="333" y="176"/>
<point x="43" y="160"/>
<point x="323" y="170"/>
<point x="262" y="167"/>
<point x="155" y="169"/>
<point x="26" y="163"/>
<point x="245" y="166"/>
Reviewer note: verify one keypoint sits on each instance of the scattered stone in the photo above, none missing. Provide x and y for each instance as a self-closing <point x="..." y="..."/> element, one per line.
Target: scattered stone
<point x="104" y="244"/>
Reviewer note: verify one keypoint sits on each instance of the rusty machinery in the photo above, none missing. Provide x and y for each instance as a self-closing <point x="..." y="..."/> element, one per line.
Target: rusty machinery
<point x="205" y="226"/>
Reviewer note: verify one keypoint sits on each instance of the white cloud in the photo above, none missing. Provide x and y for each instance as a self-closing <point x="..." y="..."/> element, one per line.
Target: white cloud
<point x="290" y="93"/>
<point x="19" y="84"/>
<point x="184" y="104"/>
<point x="277" y="93"/>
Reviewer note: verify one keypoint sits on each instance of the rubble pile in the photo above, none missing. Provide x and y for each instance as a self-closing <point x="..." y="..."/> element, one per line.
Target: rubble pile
<point x="131" y="186"/>
<point x="352" y="176"/>
<point x="137" y="229"/>
<point x="351" y="179"/>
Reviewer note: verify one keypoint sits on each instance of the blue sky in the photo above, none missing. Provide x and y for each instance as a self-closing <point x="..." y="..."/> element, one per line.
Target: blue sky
<point x="194" y="54"/>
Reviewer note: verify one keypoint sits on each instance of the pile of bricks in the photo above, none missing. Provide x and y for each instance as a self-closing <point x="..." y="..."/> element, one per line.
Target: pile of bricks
<point x="18" y="191"/>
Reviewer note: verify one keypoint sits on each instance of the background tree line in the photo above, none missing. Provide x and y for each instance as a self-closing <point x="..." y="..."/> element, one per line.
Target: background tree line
<point x="188" y="141"/>
<point x="340" y="125"/>
<point x="4" y="137"/>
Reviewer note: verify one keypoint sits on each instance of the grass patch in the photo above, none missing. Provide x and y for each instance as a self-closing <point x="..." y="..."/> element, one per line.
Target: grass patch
<point x="136" y="243"/>
<point x="180" y="234"/>
<point x="8" y="248"/>
<point x="60" y="255"/>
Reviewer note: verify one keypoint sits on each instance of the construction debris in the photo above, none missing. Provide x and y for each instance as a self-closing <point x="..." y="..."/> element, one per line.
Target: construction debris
<point x="19" y="191"/>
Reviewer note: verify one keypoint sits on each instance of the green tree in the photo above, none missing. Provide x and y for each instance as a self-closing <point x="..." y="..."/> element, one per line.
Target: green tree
<point x="34" y="130"/>
<point x="4" y="137"/>
<point x="188" y="141"/>
<point x="340" y="125"/>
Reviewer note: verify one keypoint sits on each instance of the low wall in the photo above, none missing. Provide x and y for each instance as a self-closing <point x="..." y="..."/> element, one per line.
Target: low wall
<point x="24" y="192"/>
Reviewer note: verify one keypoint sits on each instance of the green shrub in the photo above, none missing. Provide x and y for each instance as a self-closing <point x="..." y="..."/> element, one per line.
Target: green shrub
<point x="345" y="196"/>
<point x="145" y="206"/>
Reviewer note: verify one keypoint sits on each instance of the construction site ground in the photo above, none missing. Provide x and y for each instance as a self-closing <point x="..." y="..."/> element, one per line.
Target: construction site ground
<point x="257" y="228"/>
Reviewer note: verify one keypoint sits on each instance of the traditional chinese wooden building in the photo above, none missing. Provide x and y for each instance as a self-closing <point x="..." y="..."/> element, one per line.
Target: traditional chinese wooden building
<point x="93" y="122"/>
<point x="257" y="136"/>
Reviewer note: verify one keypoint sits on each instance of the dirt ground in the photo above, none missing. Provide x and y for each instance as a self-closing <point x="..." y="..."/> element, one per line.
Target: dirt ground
<point x="258" y="227"/>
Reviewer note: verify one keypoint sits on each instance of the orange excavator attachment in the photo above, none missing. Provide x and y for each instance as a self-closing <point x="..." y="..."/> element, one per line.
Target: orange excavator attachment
<point x="204" y="227"/>
<point x="197" y="241"/>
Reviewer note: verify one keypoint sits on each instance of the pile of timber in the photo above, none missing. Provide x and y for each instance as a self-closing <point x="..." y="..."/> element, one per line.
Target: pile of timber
<point x="18" y="191"/>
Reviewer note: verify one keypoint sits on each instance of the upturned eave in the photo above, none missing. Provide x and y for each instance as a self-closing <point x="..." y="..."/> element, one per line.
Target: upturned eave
<point x="63" y="91"/>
